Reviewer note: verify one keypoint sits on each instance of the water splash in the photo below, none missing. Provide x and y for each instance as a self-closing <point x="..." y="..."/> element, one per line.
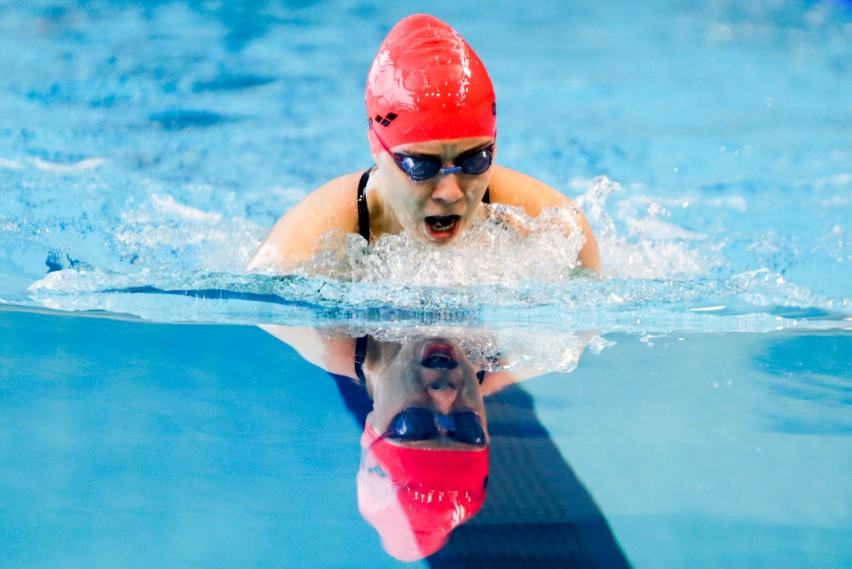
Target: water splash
<point x="502" y="245"/>
<point x="651" y="247"/>
<point x="171" y="261"/>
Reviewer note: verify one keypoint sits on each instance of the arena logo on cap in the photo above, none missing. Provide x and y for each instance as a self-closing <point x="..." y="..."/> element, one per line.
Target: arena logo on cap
<point x="386" y="120"/>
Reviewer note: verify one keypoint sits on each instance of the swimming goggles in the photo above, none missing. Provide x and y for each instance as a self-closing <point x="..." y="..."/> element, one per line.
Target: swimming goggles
<point x="420" y="168"/>
<point x="419" y="424"/>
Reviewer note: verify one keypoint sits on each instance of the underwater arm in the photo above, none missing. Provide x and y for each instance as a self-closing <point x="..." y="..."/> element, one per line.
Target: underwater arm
<point x="511" y="187"/>
<point x="569" y="359"/>
<point x="333" y="354"/>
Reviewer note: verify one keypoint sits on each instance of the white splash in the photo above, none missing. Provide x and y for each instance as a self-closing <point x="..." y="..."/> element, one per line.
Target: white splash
<point x="168" y="205"/>
<point x="84" y="165"/>
<point x="6" y="164"/>
<point x="503" y="245"/>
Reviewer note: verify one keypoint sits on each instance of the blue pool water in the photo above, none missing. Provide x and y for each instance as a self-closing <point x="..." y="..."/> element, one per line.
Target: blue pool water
<point x="694" y="404"/>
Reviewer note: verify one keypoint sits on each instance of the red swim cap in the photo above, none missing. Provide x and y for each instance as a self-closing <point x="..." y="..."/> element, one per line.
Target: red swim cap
<point x="426" y="83"/>
<point x="416" y="497"/>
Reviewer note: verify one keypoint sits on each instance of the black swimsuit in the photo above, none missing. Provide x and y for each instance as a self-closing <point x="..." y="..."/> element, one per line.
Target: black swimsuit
<point x="364" y="212"/>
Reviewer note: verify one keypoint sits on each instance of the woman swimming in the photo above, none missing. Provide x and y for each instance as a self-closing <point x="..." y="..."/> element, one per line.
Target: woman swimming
<point x="432" y="130"/>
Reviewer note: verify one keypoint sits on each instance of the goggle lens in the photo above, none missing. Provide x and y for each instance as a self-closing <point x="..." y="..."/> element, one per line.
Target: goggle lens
<point x="418" y="424"/>
<point x="421" y="168"/>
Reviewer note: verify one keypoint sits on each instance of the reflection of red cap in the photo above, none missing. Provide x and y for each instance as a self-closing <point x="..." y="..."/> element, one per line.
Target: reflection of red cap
<point x="416" y="497"/>
<point x="426" y="83"/>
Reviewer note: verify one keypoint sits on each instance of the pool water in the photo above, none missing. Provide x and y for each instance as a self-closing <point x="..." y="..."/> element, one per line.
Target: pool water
<point x="702" y="421"/>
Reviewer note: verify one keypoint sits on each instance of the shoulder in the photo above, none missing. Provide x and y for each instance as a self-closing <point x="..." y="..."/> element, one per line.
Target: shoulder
<point x="515" y="188"/>
<point x="331" y="206"/>
<point x="343" y="187"/>
<point x="511" y="187"/>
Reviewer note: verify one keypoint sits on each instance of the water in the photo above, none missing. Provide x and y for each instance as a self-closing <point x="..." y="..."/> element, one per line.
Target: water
<point x="145" y="148"/>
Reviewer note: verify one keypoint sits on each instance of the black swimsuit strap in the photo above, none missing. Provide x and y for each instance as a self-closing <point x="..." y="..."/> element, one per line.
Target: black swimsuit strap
<point x="360" y="356"/>
<point x="364" y="211"/>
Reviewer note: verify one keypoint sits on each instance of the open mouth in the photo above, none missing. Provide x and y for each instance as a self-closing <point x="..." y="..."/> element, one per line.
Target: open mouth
<point x="439" y="355"/>
<point x="441" y="227"/>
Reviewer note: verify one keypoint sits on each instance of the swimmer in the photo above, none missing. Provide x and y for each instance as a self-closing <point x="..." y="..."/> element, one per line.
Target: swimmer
<point x="432" y="130"/>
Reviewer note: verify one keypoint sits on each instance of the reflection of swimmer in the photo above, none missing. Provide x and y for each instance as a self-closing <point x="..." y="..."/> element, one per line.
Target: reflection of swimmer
<point x="425" y="445"/>
<point x="432" y="131"/>
<point x="424" y="464"/>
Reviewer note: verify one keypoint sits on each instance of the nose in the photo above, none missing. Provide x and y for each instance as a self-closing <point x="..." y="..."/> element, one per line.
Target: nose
<point x="443" y="395"/>
<point x="447" y="189"/>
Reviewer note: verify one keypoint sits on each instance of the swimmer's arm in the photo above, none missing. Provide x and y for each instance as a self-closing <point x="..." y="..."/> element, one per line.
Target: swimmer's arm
<point x="496" y="380"/>
<point x="291" y="240"/>
<point x="511" y="187"/>
<point x="334" y="355"/>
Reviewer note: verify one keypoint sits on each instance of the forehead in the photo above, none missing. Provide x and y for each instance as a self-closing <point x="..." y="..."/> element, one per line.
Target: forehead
<point x="452" y="147"/>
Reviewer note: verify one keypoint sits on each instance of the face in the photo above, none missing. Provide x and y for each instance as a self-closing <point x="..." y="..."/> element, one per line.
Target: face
<point x="431" y="373"/>
<point x="438" y="209"/>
